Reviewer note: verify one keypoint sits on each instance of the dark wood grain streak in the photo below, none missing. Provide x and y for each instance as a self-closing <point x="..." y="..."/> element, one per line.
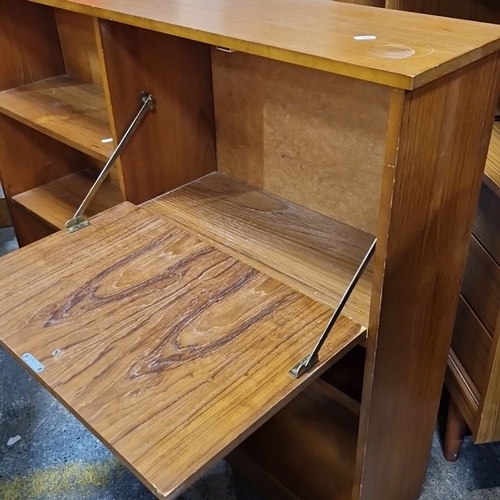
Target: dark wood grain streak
<point x="172" y="352"/>
<point x="427" y="211"/>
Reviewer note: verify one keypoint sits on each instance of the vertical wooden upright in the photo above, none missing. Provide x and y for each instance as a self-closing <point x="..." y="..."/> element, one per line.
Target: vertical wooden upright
<point x="437" y="146"/>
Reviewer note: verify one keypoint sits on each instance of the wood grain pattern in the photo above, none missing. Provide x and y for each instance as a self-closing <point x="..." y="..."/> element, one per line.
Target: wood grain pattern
<point x="65" y="109"/>
<point x="481" y="285"/>
<point x="492" y="169"/>
<point x="300" y="32"/>
<point x="488" y="424"/>
<point x="313" y="138"/>
<point x="29" y="44"/>
<point x="472" y="344"/>
<point x="79" y="46"/>
<point x="420" y="257"/>
<point x="171" y="366"/>
<point x="487" y="222"/>
<point x="307" y="251"/>
<point x="55" y="203"/>
<point x="308" y="447"/>
<point x="176" y="141"/>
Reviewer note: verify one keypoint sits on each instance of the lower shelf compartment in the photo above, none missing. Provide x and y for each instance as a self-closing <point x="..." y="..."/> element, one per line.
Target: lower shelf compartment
<point x="56" y="203"/>
<point x="169" y="350"/>
<point x="306" y="451"/>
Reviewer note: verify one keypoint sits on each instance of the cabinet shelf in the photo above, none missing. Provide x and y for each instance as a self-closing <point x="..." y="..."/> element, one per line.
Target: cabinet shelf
<point x="314" y="254"/>
<point x="65" y="109"/>
<point x="492" y="169"/>
<point x="55" y="203"/>
<point x="307" y="450"/>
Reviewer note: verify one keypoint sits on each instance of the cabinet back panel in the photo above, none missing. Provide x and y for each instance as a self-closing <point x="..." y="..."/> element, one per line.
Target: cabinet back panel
<point x="79" y="46"/>
<point x="314" y="138"/>
<point x="29" y="44"/>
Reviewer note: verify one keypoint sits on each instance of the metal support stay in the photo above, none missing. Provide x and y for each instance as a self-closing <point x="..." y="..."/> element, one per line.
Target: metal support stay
<point x="79" y="220"/>
<point x="309" y="361"/>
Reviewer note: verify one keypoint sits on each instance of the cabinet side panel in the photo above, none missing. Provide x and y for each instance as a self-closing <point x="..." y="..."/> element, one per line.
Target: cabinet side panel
<point x="314" y="138"/>
<point x="174" y="144"/>
<point x="29" y="44"/>
<point x="434" y="165"/>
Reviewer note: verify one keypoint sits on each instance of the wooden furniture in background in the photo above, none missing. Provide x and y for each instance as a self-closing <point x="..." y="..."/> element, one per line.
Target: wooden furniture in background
<point x="473" y="377"/>
<point x="168" y="329"/>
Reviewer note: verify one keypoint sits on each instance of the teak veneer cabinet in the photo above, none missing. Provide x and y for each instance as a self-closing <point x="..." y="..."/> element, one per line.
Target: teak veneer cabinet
<point x="284" y="138"/>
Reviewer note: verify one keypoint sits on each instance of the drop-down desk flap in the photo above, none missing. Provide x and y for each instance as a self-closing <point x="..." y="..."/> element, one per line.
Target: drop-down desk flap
<point x="170" y="351"/>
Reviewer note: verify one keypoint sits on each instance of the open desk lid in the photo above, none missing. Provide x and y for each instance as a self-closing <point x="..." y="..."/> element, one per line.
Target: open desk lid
<point x="170" y="351"/>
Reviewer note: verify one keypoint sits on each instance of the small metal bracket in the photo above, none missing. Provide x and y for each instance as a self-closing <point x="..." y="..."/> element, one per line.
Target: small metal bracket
<point x="225" y="49"/>
<point x="76" y="223"/>
<point x="79" y="221"/>
<point x="309" y="361"/>
<point x="303" y="366"/>
<point x="32" y="362"/>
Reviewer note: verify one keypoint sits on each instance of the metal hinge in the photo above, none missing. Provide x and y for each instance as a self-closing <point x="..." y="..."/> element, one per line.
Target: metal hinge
<point x="309" y="361"/>
<point x="79" y="220"/>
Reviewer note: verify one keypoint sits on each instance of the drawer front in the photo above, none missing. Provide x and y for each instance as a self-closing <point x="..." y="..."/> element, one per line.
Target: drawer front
<point x="487" y="222"/>
<point x="481" y="285"/>
<point x="471" y="343"/>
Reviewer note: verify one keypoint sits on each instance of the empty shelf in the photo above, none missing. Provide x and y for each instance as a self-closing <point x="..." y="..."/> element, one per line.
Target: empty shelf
<point x="169" y="350"/>
<point x="310" y="252"/>
<point x="56" y="203"/>
<point x="65" y="109"/>
<point x="307" y="451"/>
<point x="492" y="170"/>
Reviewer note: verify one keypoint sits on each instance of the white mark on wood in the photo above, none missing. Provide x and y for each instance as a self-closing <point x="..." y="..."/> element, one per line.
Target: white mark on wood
<point x="365" y="37"/>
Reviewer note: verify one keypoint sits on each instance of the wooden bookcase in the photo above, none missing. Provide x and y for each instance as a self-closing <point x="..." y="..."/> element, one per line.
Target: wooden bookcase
<point x="284" y="139"/>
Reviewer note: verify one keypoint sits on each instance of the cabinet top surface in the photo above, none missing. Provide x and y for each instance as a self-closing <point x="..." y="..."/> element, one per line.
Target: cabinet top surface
<point x="394" y="48"/>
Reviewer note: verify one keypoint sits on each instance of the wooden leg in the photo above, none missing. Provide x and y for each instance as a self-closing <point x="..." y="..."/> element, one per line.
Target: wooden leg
<point x="455" y="432"/>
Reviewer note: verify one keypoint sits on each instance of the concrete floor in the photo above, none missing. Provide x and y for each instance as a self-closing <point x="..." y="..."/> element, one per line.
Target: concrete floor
<point x="57" y="459"/>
